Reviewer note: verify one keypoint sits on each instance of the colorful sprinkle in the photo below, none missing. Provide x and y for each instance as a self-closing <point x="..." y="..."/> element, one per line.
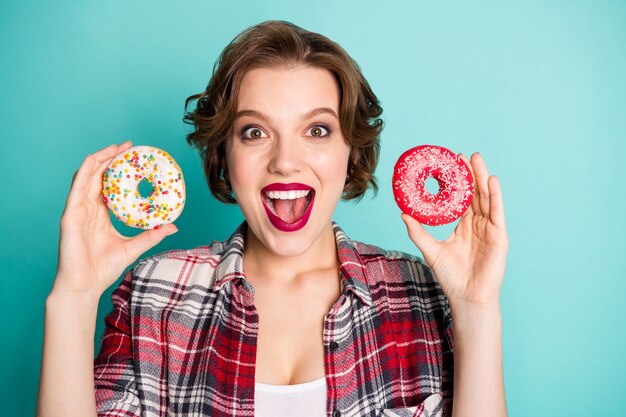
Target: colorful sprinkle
<point x="121" y="187"/>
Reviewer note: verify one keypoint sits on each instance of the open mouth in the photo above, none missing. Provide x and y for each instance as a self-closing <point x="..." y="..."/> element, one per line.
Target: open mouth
<point x="288" y="206"/>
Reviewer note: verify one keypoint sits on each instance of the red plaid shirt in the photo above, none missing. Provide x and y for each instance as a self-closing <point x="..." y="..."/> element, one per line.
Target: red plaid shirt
<point x="181" y="338"/>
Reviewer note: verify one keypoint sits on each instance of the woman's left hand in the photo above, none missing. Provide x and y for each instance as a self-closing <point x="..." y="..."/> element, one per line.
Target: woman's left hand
<point x="470" y="264"/>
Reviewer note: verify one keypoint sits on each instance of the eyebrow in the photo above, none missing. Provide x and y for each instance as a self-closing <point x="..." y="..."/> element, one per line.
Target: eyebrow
<point x="307" y="115"/>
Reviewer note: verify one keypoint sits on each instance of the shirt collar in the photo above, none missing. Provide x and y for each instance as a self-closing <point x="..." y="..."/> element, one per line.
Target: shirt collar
<point x="351" y="269"/>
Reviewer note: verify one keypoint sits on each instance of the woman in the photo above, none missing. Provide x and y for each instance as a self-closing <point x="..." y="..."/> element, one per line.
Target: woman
<point x="288" y="316"/>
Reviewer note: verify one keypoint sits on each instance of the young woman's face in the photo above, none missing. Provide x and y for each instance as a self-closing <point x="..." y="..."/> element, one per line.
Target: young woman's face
<point x="287" y="159"/>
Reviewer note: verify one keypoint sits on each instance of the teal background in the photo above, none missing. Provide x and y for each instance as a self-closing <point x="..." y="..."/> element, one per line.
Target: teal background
<point x="538" y="87"/>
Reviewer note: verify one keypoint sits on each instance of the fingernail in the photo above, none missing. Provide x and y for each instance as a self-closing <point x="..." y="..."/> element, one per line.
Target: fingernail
<point x="172" y="232"/>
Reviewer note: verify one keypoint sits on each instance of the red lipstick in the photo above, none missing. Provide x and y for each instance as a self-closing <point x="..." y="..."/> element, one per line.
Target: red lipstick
<point x="276" y="221"/>
<point x="292" y="186"/>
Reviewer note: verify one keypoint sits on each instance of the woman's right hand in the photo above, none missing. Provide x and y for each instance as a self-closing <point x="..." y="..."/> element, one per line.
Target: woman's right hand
<point x="92" y="254"/>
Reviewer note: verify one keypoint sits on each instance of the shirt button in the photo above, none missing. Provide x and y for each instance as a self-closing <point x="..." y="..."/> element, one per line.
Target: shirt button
<point x="334" y="346"/>
<point x="336" y="413"/>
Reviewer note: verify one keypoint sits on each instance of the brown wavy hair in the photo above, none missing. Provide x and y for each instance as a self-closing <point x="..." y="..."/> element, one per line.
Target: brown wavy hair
<point x="273" y="44"/>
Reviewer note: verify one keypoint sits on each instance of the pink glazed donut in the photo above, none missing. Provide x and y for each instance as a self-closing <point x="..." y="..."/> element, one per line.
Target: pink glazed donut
<point x="456" y="184"/>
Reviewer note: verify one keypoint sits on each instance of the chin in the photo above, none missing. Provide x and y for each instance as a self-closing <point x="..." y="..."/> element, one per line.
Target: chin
<point x="287" y="244"/>
<point x="275" y="235"/>
<point x="290" y="244"/>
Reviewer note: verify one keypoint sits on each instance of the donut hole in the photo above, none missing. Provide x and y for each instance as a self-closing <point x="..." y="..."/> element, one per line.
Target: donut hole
<point x="145" y="188"/>
<point x="432" y="185"/>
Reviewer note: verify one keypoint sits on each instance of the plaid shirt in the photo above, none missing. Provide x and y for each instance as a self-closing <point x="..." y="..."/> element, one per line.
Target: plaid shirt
<point x="181" y="338"/>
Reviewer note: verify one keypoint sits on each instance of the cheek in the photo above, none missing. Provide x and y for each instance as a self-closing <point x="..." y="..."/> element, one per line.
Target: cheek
<point x="334" y="164"/>
<point x="244" y="170"/>
<point x="234" y="162"/>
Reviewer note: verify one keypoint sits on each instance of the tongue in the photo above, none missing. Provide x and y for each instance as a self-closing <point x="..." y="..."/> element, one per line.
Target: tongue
<point x="290" y="210"/>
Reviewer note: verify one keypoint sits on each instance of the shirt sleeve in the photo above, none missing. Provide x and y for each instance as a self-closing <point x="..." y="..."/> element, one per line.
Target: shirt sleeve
<point x="447" y="369"/>
<point x="114" y="376"/>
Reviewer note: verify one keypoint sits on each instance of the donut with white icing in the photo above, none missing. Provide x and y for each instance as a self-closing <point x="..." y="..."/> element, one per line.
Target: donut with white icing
<point x="121" y="180"/>
<point x="456" y="184"/>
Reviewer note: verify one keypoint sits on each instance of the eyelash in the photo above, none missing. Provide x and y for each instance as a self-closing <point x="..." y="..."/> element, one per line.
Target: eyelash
<point x="248" y="127"/>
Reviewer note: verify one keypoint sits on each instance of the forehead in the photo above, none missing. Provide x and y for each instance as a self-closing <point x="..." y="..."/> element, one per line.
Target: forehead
<point x="288" y="90"/>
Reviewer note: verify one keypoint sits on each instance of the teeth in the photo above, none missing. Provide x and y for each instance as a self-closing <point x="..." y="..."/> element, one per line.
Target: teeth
<point x="287" y="195"/>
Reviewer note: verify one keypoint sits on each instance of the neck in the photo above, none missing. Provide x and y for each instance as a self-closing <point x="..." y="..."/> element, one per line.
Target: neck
<point x="260" y="263"/>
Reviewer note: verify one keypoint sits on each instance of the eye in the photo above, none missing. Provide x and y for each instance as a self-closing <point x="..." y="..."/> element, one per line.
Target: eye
<point x="319" y="131"/>
<point x="252" y="133"/>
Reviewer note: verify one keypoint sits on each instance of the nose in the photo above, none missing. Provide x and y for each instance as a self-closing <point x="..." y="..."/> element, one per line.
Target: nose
<point x="286" y="157"/>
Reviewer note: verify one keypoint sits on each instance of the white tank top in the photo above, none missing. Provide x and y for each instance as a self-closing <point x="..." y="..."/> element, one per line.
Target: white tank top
<point x="303" y="400"/>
